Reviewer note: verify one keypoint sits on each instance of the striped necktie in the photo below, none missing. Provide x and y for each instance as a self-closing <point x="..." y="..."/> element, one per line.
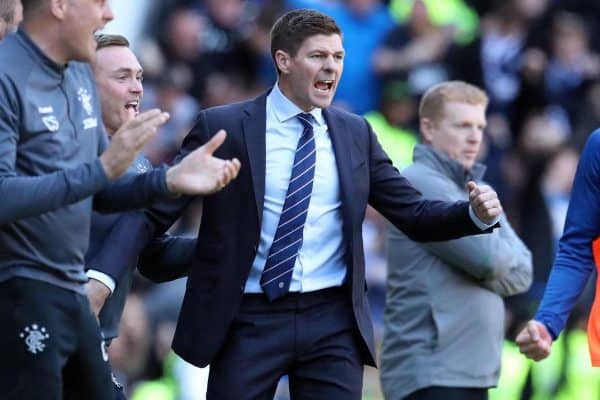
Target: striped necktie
<point x="277" y="274"/>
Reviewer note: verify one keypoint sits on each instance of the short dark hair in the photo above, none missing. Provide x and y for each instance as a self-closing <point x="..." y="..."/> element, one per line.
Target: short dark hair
<point x="106" y="40"/>
<point x="292" y="28"/>
<point x="31" y="5"/>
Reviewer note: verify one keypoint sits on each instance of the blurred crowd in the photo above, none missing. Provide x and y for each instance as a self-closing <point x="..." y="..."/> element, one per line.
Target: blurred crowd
<point x="536" y="60"/>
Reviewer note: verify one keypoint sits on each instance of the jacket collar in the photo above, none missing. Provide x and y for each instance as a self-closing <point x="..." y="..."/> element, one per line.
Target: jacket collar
<point x="284" y="109"/>
<point x="40" y="56"/>
<point x="441" y="161"/>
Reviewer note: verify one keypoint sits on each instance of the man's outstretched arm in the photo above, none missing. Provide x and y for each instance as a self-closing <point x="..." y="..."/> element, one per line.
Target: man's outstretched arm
<point x="574" y="261"/>
<point x="167" y="258"/>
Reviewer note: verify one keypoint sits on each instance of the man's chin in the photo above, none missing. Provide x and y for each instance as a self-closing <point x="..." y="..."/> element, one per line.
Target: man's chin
<point x="322" y="102"/>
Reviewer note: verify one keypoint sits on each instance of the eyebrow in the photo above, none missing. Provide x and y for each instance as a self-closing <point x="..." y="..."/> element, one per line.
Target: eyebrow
<point x="119" y="70"/>
<point x="324" y="50"/>
<point x="336" y="52"/>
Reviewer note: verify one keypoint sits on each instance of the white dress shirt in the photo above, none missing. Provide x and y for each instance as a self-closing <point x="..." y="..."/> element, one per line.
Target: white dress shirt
<point x="320" y="262"/>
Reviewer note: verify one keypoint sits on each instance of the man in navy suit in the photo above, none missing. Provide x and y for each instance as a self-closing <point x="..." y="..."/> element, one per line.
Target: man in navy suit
<point x="277" y="285"/>
<point x="113" y="252"/>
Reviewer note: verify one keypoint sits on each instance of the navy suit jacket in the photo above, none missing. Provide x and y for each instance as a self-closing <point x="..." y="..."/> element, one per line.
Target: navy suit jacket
<point x="231" y="220"/>
<point x="116" y="244"/>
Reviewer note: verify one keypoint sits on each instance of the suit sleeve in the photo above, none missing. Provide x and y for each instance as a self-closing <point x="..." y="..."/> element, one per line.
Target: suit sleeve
<point x="162" y="214"/>
<point x="575" y="262"/>
<point x="121" y="247"/>
<point x="396" y="199"/>
<point x="499" y="260"/>
<point x="119" y="250"/>
<point x="167" y="258"/>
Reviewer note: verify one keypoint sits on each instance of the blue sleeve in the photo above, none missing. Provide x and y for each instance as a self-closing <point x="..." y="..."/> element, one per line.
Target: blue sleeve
<point x="26" y="196"/>
<point x="574" y="261"/>
<point x="133" y="191"/>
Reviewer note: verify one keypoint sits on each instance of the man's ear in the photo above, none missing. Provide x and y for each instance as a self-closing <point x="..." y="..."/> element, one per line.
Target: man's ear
<point x="282" y="59"/>
<point x="58" y="8"/>
<point x="426" y="126"/>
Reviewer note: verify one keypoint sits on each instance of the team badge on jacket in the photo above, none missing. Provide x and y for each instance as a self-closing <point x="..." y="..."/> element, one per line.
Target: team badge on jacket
<point x="85" y="99"/>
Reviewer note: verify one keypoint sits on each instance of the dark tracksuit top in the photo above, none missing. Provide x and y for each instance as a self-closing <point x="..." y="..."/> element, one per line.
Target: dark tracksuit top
<point x="51" y="136"/>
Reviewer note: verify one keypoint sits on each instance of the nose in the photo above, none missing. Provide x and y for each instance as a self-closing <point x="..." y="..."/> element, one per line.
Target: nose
<point x="107" y="13"/>
<point x="329" y="64"/>
<point x="136" y="86"/>
<point x="475" y="136"/>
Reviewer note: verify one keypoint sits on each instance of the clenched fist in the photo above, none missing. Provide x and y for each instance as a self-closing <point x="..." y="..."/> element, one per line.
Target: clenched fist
<point x="484" y="201"/>
<point x="534" y="341"/>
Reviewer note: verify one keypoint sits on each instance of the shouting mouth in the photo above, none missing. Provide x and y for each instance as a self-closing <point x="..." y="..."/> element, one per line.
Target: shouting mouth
<point x="133" y="106"/>
<point x="324" y="86"/>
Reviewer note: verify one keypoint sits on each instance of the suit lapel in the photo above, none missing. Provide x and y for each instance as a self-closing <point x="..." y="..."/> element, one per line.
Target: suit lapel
<point x="254" y="126"/>
<point x="342" y="143"/>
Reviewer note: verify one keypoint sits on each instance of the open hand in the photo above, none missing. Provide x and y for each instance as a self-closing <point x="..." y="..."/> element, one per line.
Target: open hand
<point x="129" y="140"/>
<point x="200" y="173"/>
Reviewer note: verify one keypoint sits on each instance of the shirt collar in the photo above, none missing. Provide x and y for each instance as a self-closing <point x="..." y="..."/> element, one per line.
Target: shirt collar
<point x="284" y="109"/>
<point x="426" y="154"/>
<point x="38" y="53"/>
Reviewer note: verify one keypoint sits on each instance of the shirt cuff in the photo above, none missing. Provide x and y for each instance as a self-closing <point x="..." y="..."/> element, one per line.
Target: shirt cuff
<point x="552" y="324"/>
<point x="103" y="278"/>
<point x="480" y="224"/>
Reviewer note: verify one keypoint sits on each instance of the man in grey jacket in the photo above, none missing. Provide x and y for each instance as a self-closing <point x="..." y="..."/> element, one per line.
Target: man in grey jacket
<point x="444" y="315"/>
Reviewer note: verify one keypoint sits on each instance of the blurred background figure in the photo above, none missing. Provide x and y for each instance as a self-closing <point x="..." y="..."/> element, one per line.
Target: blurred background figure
<point x="129" y="353"/>
<point x="395" y="122"/>
<point x="415" y="51"/>
<point x="169" y="92"/>
<point x="11" y="14"/>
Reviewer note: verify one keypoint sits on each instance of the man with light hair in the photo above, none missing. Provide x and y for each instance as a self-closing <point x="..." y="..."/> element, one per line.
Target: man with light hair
<point x="444" y="314"/>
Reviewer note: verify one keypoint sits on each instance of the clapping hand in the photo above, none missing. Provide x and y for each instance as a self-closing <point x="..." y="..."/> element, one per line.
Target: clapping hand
<point x="129" y="140"/>
<point x="200" y="173"/>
